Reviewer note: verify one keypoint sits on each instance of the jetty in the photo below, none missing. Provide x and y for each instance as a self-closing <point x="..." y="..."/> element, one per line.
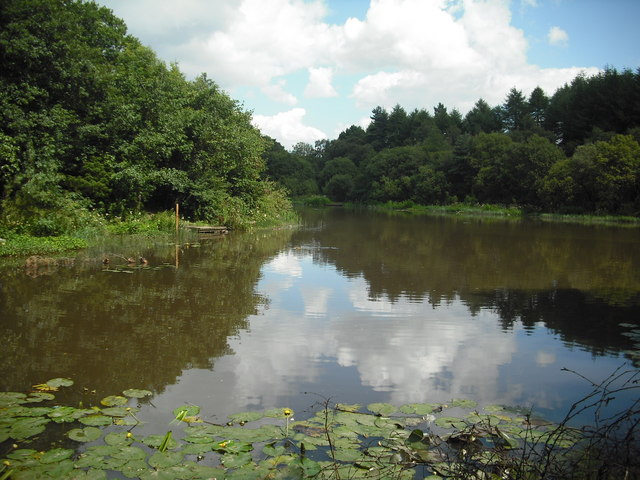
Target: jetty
<point x="209" y="229"/>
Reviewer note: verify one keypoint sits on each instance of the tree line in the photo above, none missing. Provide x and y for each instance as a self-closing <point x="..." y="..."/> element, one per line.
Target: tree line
<point x="574" y="152"/>
<point x="91" y="121"/>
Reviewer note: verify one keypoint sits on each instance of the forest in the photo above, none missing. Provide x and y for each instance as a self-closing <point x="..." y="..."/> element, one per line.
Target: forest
<point x="575" y="151"/>
<point x="93" y="125"/>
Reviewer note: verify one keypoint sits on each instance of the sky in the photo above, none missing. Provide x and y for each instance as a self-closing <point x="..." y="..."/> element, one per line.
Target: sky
<point x="309" y="69"/>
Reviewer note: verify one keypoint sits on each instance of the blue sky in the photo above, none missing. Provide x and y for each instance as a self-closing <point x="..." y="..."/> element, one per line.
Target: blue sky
<point x="308" y="69"/>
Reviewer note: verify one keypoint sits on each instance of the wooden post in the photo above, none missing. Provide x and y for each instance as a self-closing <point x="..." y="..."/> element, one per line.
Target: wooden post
<point x="177" y="217"/>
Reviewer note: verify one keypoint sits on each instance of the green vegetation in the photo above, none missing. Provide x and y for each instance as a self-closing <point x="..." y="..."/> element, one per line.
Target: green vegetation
<point x="575" y="152"/>
<point x="22" y="245"/>
<point x="455" y="440"/>
<point x="94" y="125"/>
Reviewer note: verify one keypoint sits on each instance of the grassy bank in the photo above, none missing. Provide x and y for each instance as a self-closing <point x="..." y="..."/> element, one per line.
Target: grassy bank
<point x="480" y="210"/>
<point x="20" y="241"/>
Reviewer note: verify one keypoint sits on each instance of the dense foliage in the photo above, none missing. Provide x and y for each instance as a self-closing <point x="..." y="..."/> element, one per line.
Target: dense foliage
<point x="91" y="120"/>
<point x="576" y="151"/>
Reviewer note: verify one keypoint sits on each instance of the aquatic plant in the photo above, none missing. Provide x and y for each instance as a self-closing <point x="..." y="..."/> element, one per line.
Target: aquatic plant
<point x="457" y="439"/>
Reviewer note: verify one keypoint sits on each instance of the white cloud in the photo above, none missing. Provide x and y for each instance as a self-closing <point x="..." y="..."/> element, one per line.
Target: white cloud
<point x="558" y="36"/>
<point x="412" y="52"/>
<point x="288" y="127"/>
<point x="277" y="93"/>
<point x="320" y="83"/>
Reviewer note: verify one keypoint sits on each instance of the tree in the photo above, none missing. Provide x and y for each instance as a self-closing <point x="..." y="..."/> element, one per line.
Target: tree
<point x="481" y="118"/>
<point x="538" y="103"/>
<point x="515" y="111"/>
<point x="378" y="129"/>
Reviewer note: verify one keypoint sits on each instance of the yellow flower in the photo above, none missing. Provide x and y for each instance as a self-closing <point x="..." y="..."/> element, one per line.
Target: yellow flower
<point x="287" y="412"/>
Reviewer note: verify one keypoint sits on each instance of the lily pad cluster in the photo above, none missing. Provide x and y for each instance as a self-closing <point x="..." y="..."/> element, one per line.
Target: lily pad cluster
<point x="453" y="440"/>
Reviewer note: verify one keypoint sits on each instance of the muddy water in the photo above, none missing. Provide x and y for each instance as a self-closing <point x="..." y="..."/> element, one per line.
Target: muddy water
<point x="356" y="307"/>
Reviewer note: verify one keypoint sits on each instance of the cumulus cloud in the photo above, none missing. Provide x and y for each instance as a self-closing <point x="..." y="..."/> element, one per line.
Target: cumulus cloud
<point x="277" y="93"/>
<point x="320" y="83"/>
<point x="413" y="52"/>
<point x="558" y="36"/>
<point x="288" y="127"/>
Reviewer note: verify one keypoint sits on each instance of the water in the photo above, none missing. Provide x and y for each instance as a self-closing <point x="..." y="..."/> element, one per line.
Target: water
<point x="351" y="307"/>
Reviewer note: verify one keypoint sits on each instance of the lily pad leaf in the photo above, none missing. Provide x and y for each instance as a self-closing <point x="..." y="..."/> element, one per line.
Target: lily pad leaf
<point x="231" y="460"/>
<point x="56" y="455"/>
<point x="155" y="441"/>
<point x="165" y="459"/>
<point x="381" y="408"/>
<point x="28" y="427"/>
<point x="87" y="434"/>
<point x="246" y="417"/>
<point x="96" y="420"/>
<point x="114" y="401"/>
<point x="39" y="397"/>
<point x="116" y="411"/>
<point x="60" y="382"/>
<point x="137" y="393"/>
<point x="118" y="438"/>
<point x="10" y="399"/>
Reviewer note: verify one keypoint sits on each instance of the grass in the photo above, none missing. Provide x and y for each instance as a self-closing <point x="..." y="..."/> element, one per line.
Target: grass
<point x="24" y="245"/>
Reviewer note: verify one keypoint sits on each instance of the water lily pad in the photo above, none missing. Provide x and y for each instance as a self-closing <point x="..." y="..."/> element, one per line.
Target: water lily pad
<point x="381" y="408"/>
<point x="419" y="408"/>
<point x="137" y="393"/>
<point x="354" y="407"/>
<point x="114" y="401"/>
<point x="155" y="441"/>
<point x="28" y="427"/>
<point x="87" y="434"/>
<point x="463" y="403"/>
<point x="56" y="455"/>
<point x="60" y="382"/>
<point x="185" y="411"/>
<point x="96" y="420"/>
<point x="197" y="448"/>
<point x="36" y="397"/>
<point x="9" y="399"/>
<point x="231" y="460"/>
<point x="118" y="438"/>
<point x="165" y="459"/>
<point x="451" y="422"/>
<point x="246" y="417"/>
<point x="116" y="411"/>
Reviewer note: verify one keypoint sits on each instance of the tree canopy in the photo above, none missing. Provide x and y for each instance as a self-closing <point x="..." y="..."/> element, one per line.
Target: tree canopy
<point x="92" y="120"/>
<point x="573" y="151"/>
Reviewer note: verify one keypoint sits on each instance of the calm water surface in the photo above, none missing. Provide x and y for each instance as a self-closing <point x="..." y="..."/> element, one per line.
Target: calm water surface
<point x="355" y="307"/>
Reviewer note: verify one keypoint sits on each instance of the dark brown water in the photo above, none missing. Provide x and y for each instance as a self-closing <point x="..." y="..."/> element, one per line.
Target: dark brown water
<point x="356" y="307"/>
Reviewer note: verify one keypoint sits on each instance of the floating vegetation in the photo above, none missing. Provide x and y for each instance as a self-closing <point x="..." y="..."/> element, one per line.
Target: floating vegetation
<point x="452" y="440"/>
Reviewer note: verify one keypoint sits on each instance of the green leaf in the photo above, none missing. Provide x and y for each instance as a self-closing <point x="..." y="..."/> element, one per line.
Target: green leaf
<point x="28" y="427"/>
<point x="35" y="397"/>
<point x="186" y="411"/>
<point x="451" y="422"/>
<point x="246" y="417"/>
<point x="232" y="460"/>
<point x="116" y="411"/>
<point x="419" y="408"/>
<point x="118" y="439"/>
<point x="56" y="455"/>
<point x="136" y="393"/>
<point x="114" y="401"/>
<point x="9" y="399"/>
<point x="463" y="403"/>
<point x="87" y="434"/>
<point x="96" y="420"/>
<point x="155" y="441"/>
<point x="165" y="459"/>
<point x="273" y="450"/>
<point x="59" y="382"/>
<point x="384" y="409"/>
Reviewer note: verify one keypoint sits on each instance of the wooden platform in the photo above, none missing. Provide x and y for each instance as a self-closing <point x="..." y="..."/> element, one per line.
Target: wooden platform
<point x="210" y="229"/>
